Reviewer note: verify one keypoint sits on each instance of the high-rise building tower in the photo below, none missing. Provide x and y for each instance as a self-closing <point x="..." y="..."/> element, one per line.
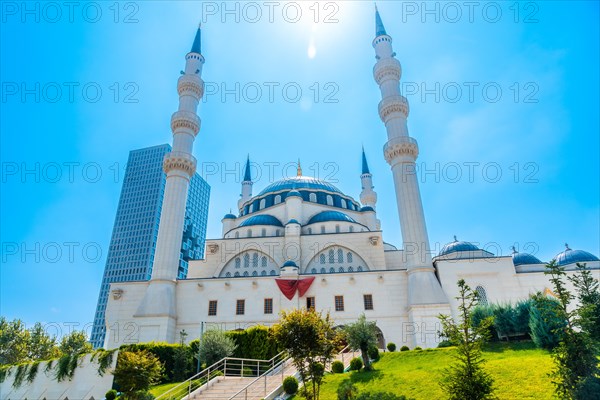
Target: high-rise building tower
<point x="158" y="307"/>
<point x="401" y="151"/>
<point x="135" y="231"/>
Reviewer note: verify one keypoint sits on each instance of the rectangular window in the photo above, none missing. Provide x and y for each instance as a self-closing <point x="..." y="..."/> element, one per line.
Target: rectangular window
<point x="368" y="300"/>
<point x="212" y="307"/>
<point x="310" y="303"/>
<point x="268" y="306"/>
<point x="240" y="307"/>
<point x="339" y="303"/>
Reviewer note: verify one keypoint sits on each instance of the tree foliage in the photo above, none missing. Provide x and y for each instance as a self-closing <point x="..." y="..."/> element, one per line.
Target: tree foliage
<point x="466" y="379"/>
<point x="545" y="321"/>
<point x="576" y="356"/>
<point x="362" y="335"/>
<point x="136" y="372"/>
<point x="75" y="343"/>
<point x="588" y="294"/>
<point x="19" y="344"/>
<point x="311" y="342"/>
<point x="215" y="345"/>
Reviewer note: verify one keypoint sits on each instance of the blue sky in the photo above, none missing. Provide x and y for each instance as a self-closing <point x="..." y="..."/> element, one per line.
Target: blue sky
<point x="541" y="134"/>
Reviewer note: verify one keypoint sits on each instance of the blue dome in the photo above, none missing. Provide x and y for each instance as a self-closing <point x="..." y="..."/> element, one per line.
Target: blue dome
<point x="290" y="263"/>
<point x="330" y="216"/>
<point x="293" y="221"/>
<point x="229" y="216"/>
<point x="525" y="259"/>
<point x="456" y="246"/>
<point x="294" y="193"/>
<point x="264" y="219"/>
<point x="574" y="256"/>
<point x="299" y="182"/>
<point x="367" y="208"/>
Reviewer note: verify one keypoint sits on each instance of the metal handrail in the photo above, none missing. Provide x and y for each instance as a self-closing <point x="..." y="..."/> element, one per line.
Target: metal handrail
<point x="267" y="373"/>
<point x="221" y="366"/>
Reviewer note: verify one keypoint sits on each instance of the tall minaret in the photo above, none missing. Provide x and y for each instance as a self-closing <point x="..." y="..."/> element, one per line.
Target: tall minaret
<point x="401" y="152"/>
<point x="246" y="185"/>
<point x="368" y="197"/>
<point x="158" y="308"/>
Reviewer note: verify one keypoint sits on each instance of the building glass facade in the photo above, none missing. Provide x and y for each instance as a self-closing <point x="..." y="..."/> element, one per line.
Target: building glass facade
<point x="135" y="231"/>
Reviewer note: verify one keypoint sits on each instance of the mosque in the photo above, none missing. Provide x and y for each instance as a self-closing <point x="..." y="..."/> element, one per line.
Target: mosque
<point x="301" y="242"/>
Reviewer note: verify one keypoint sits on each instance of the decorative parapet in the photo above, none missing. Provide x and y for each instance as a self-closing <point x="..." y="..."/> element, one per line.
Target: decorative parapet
<point x="180" y="161"/>
<point x="399" y="147"/>
<point x="392" y="105"/>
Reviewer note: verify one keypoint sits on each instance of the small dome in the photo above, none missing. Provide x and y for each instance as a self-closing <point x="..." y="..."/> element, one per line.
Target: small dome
<point x="457" y="246"/>
<point x="290" y="263"/>
<point x="294" y="193"/>
<point x="330" y="216"/>
<point x="525" y="259"/>
<point x="263" y="219"/>
<point x="367" y="208"/>
<point x="293" y="221"/>
<point x="229" y="216"/>
<point x="299" y="182"/>
<point x="574" y="256"/>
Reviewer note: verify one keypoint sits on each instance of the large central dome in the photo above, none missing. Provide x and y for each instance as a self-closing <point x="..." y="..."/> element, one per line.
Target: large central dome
<point x="299" y="182"/>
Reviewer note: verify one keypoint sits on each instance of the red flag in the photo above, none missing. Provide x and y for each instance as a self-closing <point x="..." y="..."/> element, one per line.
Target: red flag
<point x="289" y="286"/>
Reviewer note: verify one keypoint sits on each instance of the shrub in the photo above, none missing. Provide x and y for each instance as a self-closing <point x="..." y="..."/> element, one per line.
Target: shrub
<point x="391" y="347"/>
<point x="346" y="391"/>
<point x="374" y="353"/>
<point x="169" y="356"/>
<point x="136" y="372"/>
<point x="248" y="372"/>
<point x="111" y="394"/>
<point x="545" y="321"/>
<point x="356" y="364"/>
<point x="588" y="389"/>
<point x="254" y="343"/>
<point x="290" y="385"/>
<point x="445" y="343"/>
<point x="214" y="346"/>
<point x="404" y="348"/>
<point x="337" y="367"/>
<point x="481" y="313"/>
<point x="379" y="396"/>
<point x="418" y="348"/>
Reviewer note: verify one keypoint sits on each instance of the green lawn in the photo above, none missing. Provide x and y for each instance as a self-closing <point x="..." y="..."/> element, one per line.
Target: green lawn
<point x="160" y="389"/>
<point x="520" y="372"/>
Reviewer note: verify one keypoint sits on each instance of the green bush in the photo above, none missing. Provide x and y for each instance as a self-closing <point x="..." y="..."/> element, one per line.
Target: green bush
<point x="391" y="346"/>
<point x="404" y="348"/>
<point x="254" y="343"/>
<point x="290" y="385"/>
<point x="373" y="353"/>
<point x="346" y="391"/>
<point x="111" y="394"/>
<point x="337" y="367"/>
<point x="479" y="314"/>
<point x="356" y="364"/>
<point x="445" y="343"/>
<point x="168" y="355"/>
<point x="379" y="396"/>
<point x="544" y="321"/>
<point x="418" y="348"/>
<point x="588" y="389"/>
<point x="248" y="372"/>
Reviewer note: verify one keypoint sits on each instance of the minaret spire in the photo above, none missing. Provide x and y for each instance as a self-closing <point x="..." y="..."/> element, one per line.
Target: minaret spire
<point x="159" y="304"/>
<point x="368" y="197"/>
<point x="365" y="166"/>
<point x="424" y="290"/>
<point x="299" y="169"/>
<point x="246" y="185"/>
<point x="247" y="176"/>
<point x="196" y="46"/>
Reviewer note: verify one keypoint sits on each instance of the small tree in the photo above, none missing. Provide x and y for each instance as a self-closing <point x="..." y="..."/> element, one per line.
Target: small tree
<point x="215" y="345"/>
<point x="576" y="356"/>
<point x="41" y="345"/>
<point x="466" y="379"/>
<point x="545" y="322"/>
<point x="14" y="339"/>
<point x="588" y="294"/>
<point x="75" y="343"/>
<point x="136" y="372"/>
<point x="310" y="340"/>
<point x="361" y="335"/>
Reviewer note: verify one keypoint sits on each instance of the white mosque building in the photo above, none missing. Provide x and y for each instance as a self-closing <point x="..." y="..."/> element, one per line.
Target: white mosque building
<point x="301" y="242"/>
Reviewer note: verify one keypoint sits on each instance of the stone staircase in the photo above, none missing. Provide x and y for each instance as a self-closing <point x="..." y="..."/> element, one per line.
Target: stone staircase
<point x="222" y="389"/>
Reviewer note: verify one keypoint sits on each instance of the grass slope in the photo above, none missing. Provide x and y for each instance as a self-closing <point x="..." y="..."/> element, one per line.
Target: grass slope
<point x="520" y="372"/>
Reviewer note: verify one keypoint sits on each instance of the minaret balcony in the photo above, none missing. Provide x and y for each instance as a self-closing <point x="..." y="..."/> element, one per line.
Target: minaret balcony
<point x="387" y="68"/>
<point x="401" y="146"/>
<point x="179" y="160"/>
<point x="393" y="105"/>
<point x="185" y="120"/>
<point x="191" y="85"/>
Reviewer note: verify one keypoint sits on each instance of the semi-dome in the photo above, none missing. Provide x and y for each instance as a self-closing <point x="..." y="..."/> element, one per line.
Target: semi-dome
<point x="525" y="259"/>
<point x="457" y="246"/>
<point x="299" y="182"/>
<point x="294" y="193"/>
<point x="330" y="216"/>
<point x="229" y="216"/>
<point x="367" y="208"/>
<point x="263" y="219"/>
<point x="574" y="256"/>
<point x="289" y="263"/>
<point x="293" y="221"/>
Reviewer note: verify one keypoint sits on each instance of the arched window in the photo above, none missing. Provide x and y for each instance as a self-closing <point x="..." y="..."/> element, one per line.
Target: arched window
<point x="329" y="200"/>
<point x="246" y="260"/>
<point x="359" y="269"/>
<point x="277" y="232"/>
<point x="351" y="229"/>
<point x="237" y="274"/>
<point x="349" y="257"/>
<point x="255" y="260"/>
<point x="340" y="256"/>
<point x="238" y="263"/>
<point x="263" y="262"/>
<point x="312" y="197"/>
<point x="337" y="229"/>
<point x="482" y="295"/>
<point x="322" y="228"/>
<point x="262" y="204"/>
<point x="323" y="271"/>
<point x="245" y="273"/>
<point x="249" y="233"/>
<point x="313" y="271"/>
<point x="277" y="199"/>
<point x="350" y="269"/>
<point x="322" y="258"/>
<point x="343" y="203"/>
<point x="272" y="272"/>
<point x="310" y="231"/>
<point x="331" y="256"/>
<point x="264" y="232"/>
<point x="254" y="273"/>
<point x="237" y="235"/>
<point x="228" y="275"/>
<point x="263" y="273"/>
<point x="251" y="208"/>
<point x="332" y="270"/>
<point x="341" y="269"/>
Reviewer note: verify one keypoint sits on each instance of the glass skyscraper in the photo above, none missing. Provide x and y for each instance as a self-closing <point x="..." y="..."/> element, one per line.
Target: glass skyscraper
<point x="133" y="242"/>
